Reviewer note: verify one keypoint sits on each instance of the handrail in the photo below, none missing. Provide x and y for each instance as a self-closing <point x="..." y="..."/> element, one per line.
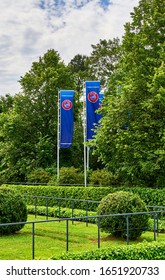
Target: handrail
<point x="98" y="217"/>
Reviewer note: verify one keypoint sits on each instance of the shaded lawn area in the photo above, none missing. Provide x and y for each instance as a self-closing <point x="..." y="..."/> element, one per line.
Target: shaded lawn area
<point x="50" y="240"/>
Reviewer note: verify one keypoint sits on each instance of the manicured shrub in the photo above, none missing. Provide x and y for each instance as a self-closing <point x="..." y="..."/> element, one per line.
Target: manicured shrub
<point x="123" y="202"/>
<point x="12" y="209"/>
<point x="70" y="175"/>
<point x="38" y="176"/>
<point x="101" y="177"/>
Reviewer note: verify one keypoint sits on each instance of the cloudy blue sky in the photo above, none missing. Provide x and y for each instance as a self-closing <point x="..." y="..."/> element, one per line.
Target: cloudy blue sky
<point x="28" y="28"/>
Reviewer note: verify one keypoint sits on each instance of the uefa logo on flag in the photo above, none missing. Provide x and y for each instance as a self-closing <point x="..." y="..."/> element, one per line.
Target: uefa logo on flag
<point x="93" y="96"/>
<point x="67" y="104"/>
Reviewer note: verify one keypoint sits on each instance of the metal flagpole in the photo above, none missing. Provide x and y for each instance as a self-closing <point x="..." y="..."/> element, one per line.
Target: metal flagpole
<point x="85" y="158"/>
<point x="88" y="151"/>
<point x="58" y="137"/>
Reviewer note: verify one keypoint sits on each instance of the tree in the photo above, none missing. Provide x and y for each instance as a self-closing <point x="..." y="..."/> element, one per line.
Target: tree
<point x="103" y="59"/>
<point x="6" y="103"/>
<point x="78" y="68"/>
<point x="29" y="130"/>
<point x="130" y="140"/>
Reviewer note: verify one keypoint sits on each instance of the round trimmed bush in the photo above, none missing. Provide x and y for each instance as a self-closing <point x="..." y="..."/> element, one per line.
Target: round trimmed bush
<point x="12" y="209"/>
<point x="123" y="202"/>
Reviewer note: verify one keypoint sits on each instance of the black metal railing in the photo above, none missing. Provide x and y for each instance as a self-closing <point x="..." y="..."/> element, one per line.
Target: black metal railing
<point x="70" y="203"/>
<point x="155" y="215"/>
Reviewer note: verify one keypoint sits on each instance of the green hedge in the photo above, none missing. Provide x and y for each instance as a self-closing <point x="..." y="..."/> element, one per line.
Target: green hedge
<point x="142" y="251"/>
<point x="64" y="212"/>
<point x="153" y="197"/>
<point x="67" y="213"/>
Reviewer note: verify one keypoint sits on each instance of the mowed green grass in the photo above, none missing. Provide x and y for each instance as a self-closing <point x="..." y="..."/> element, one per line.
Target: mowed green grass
<point x="50" y="240"/>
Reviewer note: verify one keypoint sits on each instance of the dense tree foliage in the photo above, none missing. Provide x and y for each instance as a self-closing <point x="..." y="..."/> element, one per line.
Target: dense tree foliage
<point x="131" y="139"/>
<point x="102" y="60"/>
<point x="29" y="130"/>
<point x="6" y="103"/>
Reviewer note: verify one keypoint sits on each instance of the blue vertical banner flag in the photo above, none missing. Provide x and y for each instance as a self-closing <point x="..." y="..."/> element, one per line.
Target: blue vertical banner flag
<point x="92" y="104"/>
<point x="66" y="118"/>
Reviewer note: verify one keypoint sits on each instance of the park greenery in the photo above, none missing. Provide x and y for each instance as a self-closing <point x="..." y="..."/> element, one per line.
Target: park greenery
<point x="12" y="210"/>
<point x="123" y="202"/>
<point x="129" y="143"/>
<point x="50" y="243"/>
<point x="83" y="233"/>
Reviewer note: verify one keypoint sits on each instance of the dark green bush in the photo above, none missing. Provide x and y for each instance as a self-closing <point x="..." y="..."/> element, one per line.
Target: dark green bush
<point x="38" y="176"/>
<point x="123" y="202"/>
<point x="70" y="175"/>
<point x="12" y="209"/>
<point x="101" y="177"/>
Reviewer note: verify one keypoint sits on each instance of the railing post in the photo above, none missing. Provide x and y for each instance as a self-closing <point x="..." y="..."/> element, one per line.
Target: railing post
<point x="127" y="221"/>
<point x="154" y="226"/>
<point x="86" y="213"/>
<point x="72" y="211"/>
<point x="98" y="232"/>
<point x="35" y="206"/>
<point x="67" y="235"/>
<point x="46" y="208"/>
<point x="157" y="221"/>
<point x="33" y="240"/>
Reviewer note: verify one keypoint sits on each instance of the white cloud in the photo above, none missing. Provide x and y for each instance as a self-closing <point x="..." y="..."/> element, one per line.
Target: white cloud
<point x="27" y="31"/>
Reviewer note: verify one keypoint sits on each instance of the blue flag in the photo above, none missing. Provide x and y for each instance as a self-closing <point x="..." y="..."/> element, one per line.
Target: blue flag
<point x="66" y="118"/>
<point x="92" y="104"/>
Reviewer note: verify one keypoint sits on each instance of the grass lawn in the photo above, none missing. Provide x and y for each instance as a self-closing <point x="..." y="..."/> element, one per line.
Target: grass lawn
<point x="50" y="240"/>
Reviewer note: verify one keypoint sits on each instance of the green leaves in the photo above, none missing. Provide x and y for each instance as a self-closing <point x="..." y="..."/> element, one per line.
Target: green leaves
<point x="29" y="126"/>
<point x="142" y="251"/>
<point x="133" y="121"/>
<point x="12" y="209"/>
<point x="123" y="202"/>
<point x="103" y="59"/>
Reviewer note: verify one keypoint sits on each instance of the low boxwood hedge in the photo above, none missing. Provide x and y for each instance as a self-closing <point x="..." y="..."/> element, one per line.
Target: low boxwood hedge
<point x="67" y="213"/>
<point x="64" y="212"/>
<point x="142" y="251"/>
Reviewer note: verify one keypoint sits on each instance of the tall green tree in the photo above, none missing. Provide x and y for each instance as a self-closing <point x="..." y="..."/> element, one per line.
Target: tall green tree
<point x="131" y="139"/>
<point x="78" y="69"/>
<point x="29" y="130"/>
<point x="103" y="59"/>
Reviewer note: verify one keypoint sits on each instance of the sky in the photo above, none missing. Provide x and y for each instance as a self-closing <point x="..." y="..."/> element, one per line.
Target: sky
<point x="28" y="28"/>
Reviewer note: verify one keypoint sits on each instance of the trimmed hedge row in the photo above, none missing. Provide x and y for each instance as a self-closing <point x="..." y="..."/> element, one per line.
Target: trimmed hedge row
<point x="64" y="212"/>
<point x="142" y="251"/>
<point x="153" y="197"/>
<point x="67" y="213"/>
